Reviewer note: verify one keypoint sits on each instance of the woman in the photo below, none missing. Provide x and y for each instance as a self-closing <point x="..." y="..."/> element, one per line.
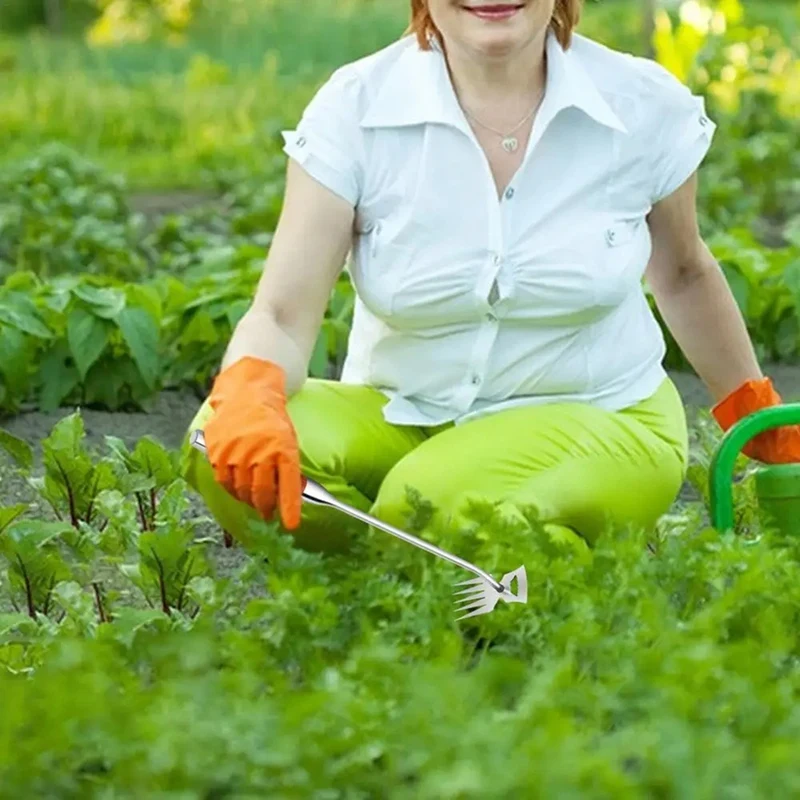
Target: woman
<point x="505" y="186"/>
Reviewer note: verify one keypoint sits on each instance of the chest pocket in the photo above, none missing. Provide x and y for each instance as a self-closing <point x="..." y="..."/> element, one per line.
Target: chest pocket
<point x="623" y="256"/>
<point x="566" y="276"/>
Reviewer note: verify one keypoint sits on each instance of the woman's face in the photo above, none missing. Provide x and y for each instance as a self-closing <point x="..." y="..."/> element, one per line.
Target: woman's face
<point x="490" y="27"/>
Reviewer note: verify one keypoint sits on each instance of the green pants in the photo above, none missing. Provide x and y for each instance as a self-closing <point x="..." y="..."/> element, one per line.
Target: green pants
<point x="583" y="468"/>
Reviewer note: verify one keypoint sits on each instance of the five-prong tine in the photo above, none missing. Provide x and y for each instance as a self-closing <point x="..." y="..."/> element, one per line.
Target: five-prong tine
<point x="481" y="597"/>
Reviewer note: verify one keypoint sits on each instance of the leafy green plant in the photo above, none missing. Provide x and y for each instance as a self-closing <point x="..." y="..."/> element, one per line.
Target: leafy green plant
<point x="168" y="560"/>
<point x="72" y="479"/>
<point x="95" y="501"/>
<point x="661" y="660"/>
<point x="146" y="471"/>
<point x="61" y="213"/>
<point x="35" y="564"/>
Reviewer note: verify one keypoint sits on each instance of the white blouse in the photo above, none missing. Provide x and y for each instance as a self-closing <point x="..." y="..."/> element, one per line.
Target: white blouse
<point x="466" y="304"/>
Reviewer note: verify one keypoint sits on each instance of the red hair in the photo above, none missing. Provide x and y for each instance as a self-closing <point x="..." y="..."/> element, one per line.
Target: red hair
<point x="566" y="15"/>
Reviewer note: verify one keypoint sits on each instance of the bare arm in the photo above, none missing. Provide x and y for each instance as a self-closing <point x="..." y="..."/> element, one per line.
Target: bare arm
<point x="694" y="298"/>
<point x="308" y="252"/>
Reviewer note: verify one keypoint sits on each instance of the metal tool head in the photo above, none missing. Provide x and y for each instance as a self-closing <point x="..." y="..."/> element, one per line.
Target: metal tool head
<point x="480" y="597"/>
<point x="198" y="441"/>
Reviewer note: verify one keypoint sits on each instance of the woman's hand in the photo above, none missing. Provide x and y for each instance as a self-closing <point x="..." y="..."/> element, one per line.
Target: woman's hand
<point x="775" y="446"/>
<point x="251" y="442"/>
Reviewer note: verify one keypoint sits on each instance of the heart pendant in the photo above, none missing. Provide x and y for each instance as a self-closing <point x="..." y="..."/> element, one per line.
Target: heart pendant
<point x="510" y="144"/>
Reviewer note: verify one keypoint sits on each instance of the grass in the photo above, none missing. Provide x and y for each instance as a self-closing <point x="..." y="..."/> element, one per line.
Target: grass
<point x="317" y="35"/>
<point x="171" y="115"/>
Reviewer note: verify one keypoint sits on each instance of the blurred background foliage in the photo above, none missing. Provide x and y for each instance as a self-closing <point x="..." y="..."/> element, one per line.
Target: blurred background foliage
<point x="109" y="108"/>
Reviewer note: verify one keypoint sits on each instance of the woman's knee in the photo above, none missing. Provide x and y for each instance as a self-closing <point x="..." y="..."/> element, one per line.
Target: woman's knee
<point x="446" y="510"/>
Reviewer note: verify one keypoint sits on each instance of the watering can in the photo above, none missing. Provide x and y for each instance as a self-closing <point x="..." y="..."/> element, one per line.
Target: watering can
<point x="777" y="485"/>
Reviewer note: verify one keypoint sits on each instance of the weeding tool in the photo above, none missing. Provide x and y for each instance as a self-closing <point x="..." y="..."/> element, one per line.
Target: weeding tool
<point x="482" y="593"/>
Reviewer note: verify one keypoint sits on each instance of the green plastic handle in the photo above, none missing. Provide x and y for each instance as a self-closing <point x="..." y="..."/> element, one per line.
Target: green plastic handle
<point x="724" y="460"/>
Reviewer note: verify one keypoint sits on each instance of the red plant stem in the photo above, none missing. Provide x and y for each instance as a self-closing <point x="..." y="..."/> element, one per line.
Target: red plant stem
<point x="162" y="585"/>
<point x="49" y="595"/>
<point x="183" y="583"/>
<point x="99" y="600"/>
<point x="90" y="510"/>
<point x="142" y="515"/>
<point x="28" y="589"/>
<point x="71" y="498"/>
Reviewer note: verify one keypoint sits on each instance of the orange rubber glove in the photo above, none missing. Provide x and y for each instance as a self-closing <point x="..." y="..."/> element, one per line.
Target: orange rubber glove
<point x="251" y="442"/>
<point x="775" y="446"/>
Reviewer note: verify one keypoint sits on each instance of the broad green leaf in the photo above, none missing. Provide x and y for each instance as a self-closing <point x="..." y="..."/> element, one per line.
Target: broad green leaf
<point x="236" y="310"/>
<point x="740" y="288"/>
<point x="15" y="363"/>
<point x="15" y="622"/>
<point x="78" y="604"/>
<point x="200" y="330"/>
<point x="142" y="337"/>
<point x="88" y="336"/>
<point x="24" y="282"/>
<point x="106" y="383"/>
<point x="152" y="459"/>
<point x="106" y="302"/>
<point x="35" y="532"/>
<point x="787" y="338"/>
<point x="791" y="279"/>
<point x="123" y="525"/>
<point x="207" y="298"/>
<point x="318" y="363"/>
<point x="128" y="622"/>
<point x="203" y="590"/>
<point x="217" y="259"/>
<point x="17" y="448"/>
<point x="146" y="297"/>
<point x="118" y="448"/>
<point x="132" y="483"/>
<point x="19" y="311"/>
<point x="71" y="479"/>
<point x="58" y="378"/>
<point x="174" y="504"/>
<point x="67" y="437"/>
<point x="9" y="513"/>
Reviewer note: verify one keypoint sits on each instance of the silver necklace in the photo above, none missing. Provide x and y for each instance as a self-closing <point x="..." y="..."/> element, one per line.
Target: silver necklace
<point x="510" y="143"/>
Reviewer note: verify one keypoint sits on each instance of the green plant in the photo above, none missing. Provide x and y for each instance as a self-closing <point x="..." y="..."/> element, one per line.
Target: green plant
<point x="60" y="213"/>
<point x="637" y="672"/>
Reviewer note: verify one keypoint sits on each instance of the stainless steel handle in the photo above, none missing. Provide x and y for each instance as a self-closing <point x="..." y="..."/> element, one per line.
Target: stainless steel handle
<point x="318" y="495"/>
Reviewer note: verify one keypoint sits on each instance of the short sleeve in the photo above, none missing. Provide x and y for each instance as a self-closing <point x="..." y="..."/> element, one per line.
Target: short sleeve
<point x="678" y="133"/>
<point x="327" y="142"/>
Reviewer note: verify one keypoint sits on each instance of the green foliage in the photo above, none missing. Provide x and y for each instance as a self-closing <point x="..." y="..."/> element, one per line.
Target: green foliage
<point x="22" y="15"/>
<point x="638" y="671"/>
<point x="61" y="213"/>
<point x="124" y="511"/>
<point x="105" y="338"/>
<point x="159" y="130"/>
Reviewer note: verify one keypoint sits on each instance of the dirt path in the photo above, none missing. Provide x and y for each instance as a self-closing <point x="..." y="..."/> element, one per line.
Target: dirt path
<point x="158" y="204"/>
